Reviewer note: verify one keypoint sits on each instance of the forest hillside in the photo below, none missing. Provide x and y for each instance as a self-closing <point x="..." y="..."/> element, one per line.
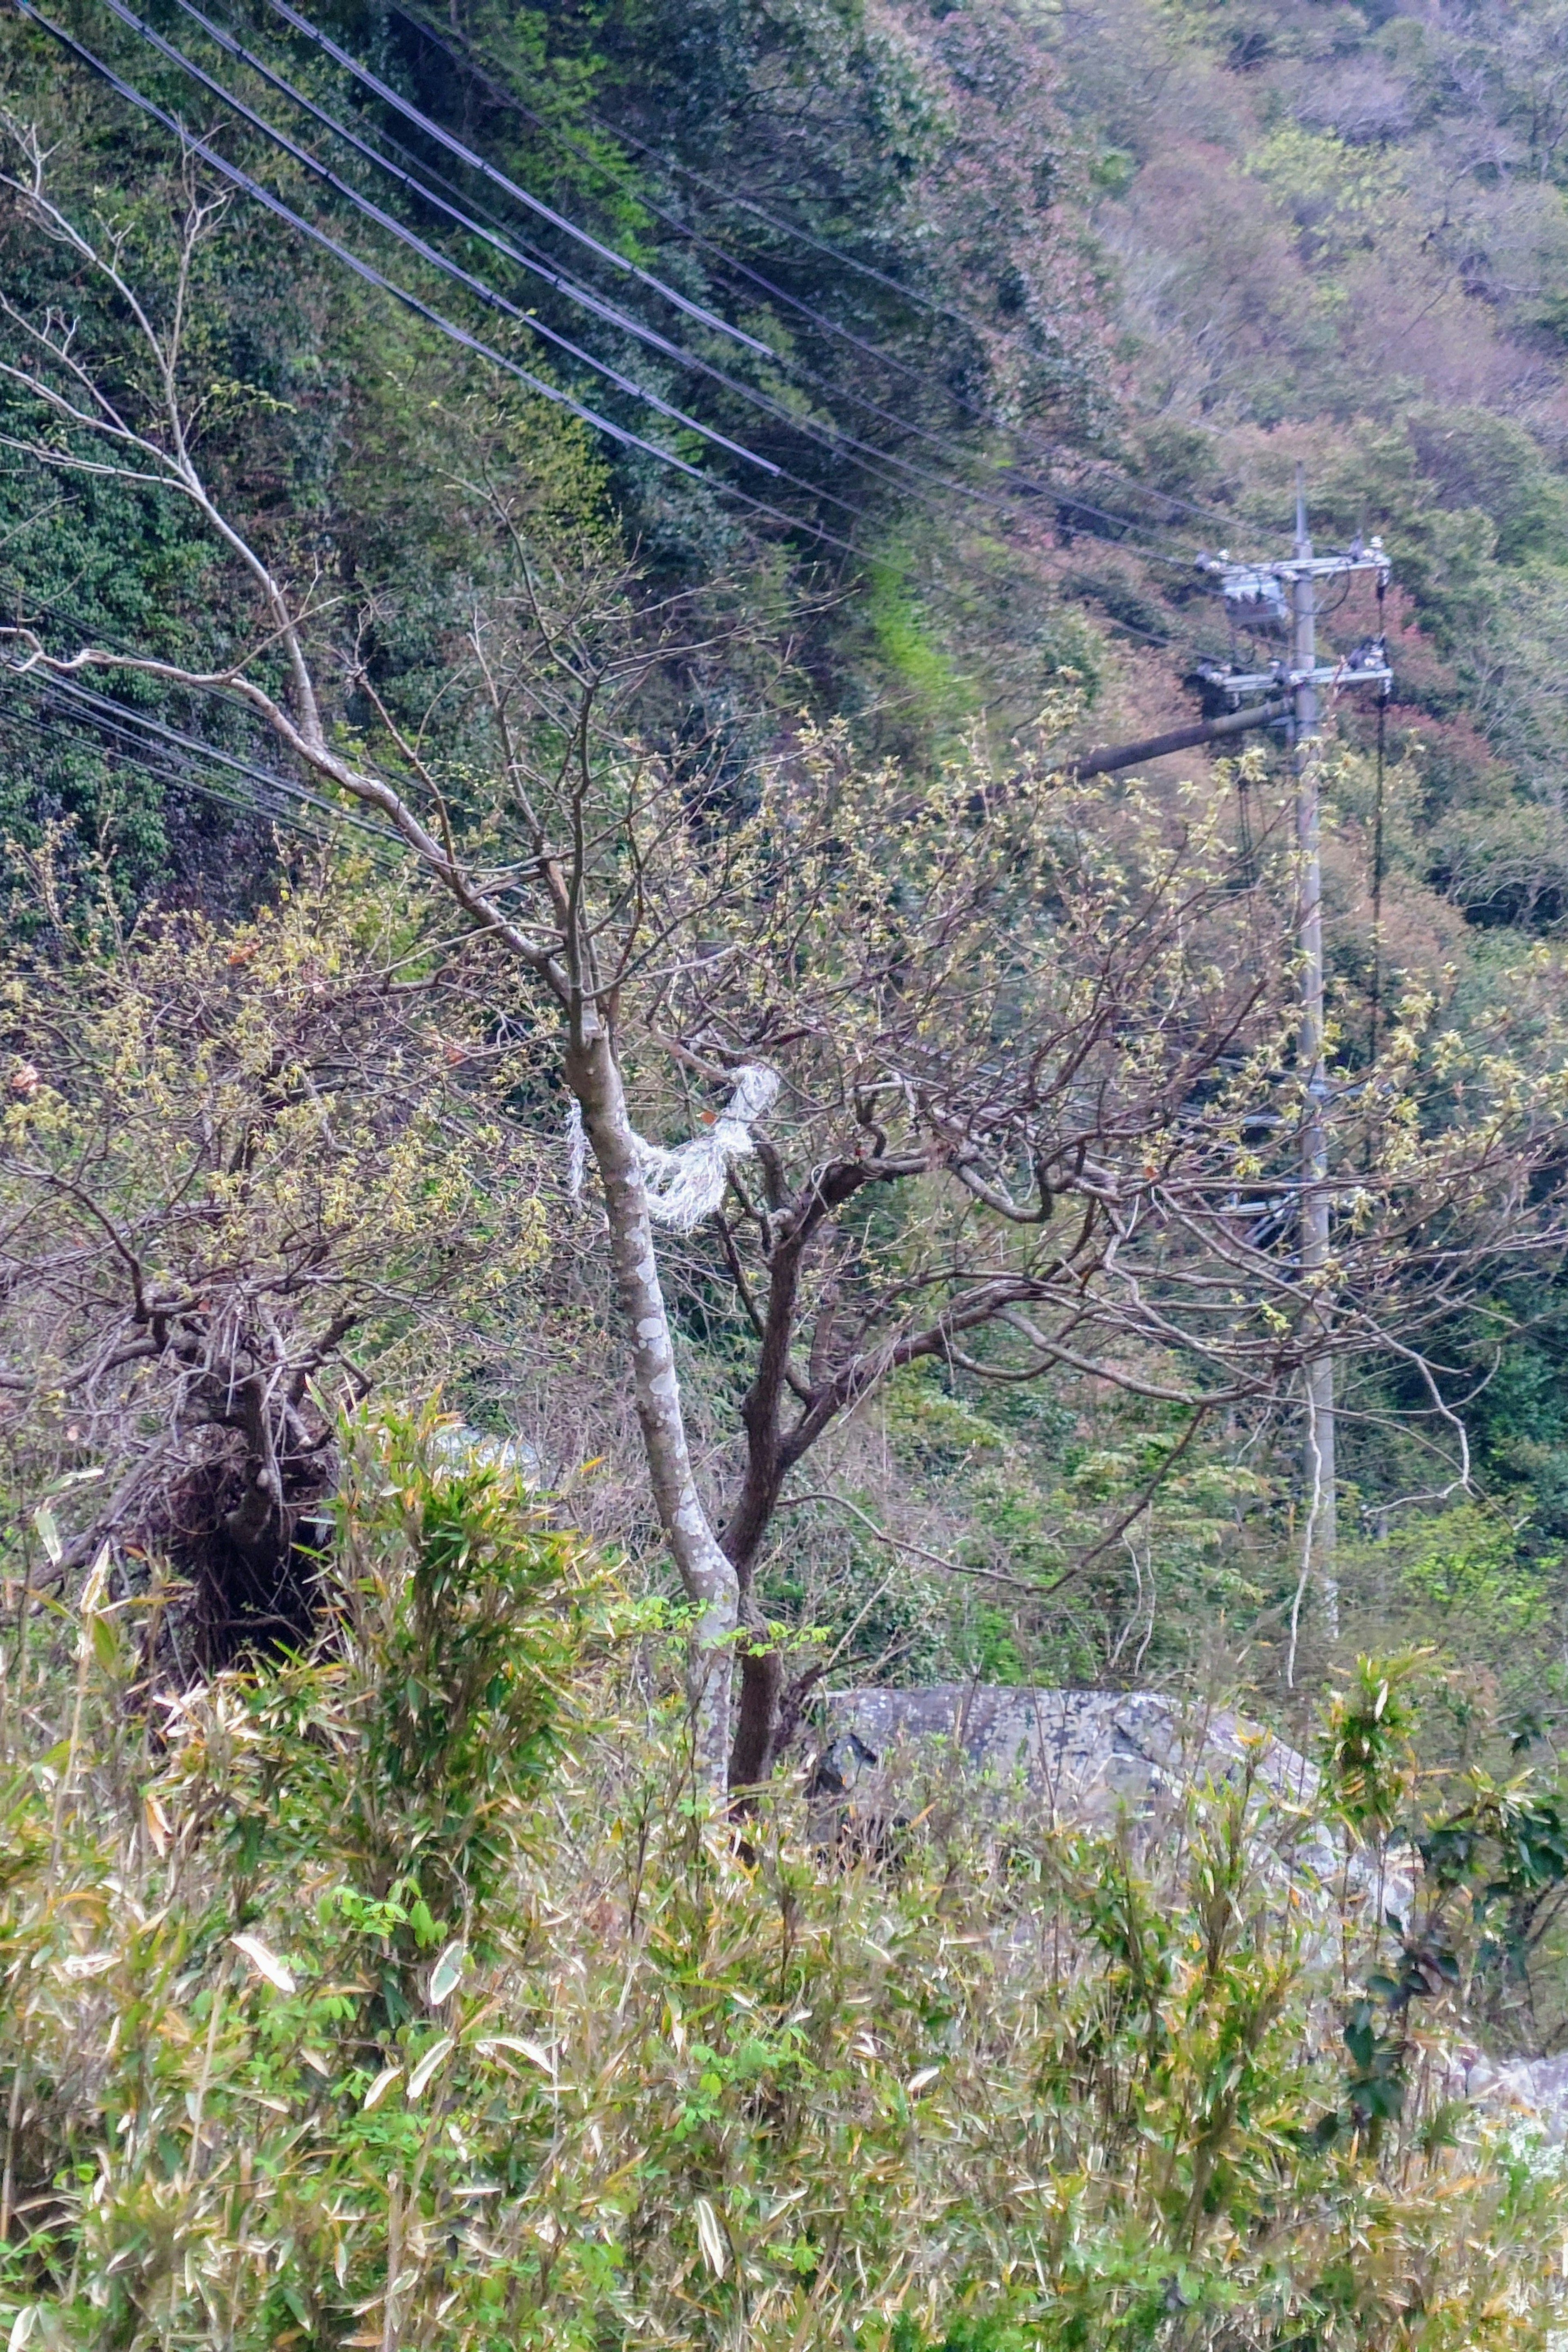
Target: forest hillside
<point x="639" y="1090"/>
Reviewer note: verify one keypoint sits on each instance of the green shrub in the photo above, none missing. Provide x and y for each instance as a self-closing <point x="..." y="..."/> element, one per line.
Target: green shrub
<point x="403" y="1996"/>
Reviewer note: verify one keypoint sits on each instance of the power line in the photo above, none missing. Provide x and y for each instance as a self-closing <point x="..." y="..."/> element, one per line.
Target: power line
<point x="836" y="444"/>
<point x="423" y="183"/>
<point x="90" y="626"/>
<point x="384" y="92"/>
<point x="139" y="763"/>
<point x="476" y="161"/>
<point x="529" y="258"/>
<point x="367" y="272"/>
<point x="119" y="718"/>
<point x="411" y="301"/>
<point x="841" y="445"/>
<point x="427" y="252"/>
<point x="684" y="229"/>
<point x="939" y="310"/>
<point x="365" y="269"/>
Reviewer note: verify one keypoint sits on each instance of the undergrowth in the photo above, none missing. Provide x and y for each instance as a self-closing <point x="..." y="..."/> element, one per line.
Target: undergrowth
<point x="407" y="1995"/>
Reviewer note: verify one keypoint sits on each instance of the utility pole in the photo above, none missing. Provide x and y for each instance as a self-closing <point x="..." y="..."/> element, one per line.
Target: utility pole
<point x="1317" y="1466"/>
<point x="1284" y="595"/>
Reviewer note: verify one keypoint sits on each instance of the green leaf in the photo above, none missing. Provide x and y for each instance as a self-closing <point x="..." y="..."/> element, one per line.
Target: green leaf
<point x="106" y="1644"/>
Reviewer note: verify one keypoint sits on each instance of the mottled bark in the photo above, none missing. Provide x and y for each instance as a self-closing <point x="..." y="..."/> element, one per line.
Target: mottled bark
<point x="706" y="1574"/>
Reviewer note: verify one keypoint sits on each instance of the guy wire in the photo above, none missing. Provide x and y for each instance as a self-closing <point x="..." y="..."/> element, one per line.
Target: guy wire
<point x="1377" y="838"/>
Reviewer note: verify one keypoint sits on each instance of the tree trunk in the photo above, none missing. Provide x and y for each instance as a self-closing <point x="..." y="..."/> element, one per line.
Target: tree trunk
<point x="762" y="1667"/>
<point x="707" y="1577"/>
<point x="761" y="1690"/>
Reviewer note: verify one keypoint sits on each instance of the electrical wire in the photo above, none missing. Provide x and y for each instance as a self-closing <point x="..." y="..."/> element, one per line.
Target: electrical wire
<point x="423" y="183"/>
<point x="682" y="229"/>
<point x="411" y="301"/>
<point x="1377" y="841"/>
<point x="527" y="257"/>
<point x="468" y="155"/>
<point x="141" y="763"/>
<point x="90" y="626"/>
<point x="16" y="724"/>
<point x="432" y="129"/>
<point x="275" y="205"/>
<point x="131" y="724"/>
<point x="430" y="254"/>
<point x="859" y="453"/>
<point x="366" y="271"/>
<point x="837" y="443"/>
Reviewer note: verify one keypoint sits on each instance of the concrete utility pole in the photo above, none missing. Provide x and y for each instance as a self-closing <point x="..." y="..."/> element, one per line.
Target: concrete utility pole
<point x="1318" y="1549"/>
<point x="1280" y="596"/>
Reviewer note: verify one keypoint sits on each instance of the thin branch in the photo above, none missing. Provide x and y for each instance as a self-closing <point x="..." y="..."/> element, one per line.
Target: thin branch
<point x="915" y="1551"/>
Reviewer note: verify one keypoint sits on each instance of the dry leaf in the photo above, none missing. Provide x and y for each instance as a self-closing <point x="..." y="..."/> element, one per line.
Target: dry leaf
<point x="265" y="1963"/>
<point x="711" y="2239"/>
<point x="533" y="2050"/>
<point x="380" y="2087"/>
<point x="87" y="1964"/>
<point x="447" y="1974"/>
<point x="427" y="2065"/>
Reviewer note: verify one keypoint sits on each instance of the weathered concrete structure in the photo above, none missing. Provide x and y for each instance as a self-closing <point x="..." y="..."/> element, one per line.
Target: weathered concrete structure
<point x="1081" y="1760"/>
<point x="1087" y="1756"/>
<point x="1090" y="1758"/>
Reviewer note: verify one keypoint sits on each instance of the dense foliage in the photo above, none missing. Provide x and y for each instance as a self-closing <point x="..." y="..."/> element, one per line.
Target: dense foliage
<point x="638" y="506"/>
<point x="402" y="1996"/>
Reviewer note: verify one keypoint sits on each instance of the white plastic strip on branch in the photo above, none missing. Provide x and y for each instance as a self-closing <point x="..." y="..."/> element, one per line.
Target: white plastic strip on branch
<point x="687" y="1184"/>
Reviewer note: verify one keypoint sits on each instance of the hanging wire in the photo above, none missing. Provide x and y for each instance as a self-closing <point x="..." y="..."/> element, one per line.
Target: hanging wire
<point x="392" y="98"/>
<point x="1377" y="835"/>
<point x="1246" y="847"/>
<point x="139" y="728"/>
<point x="883" y="465"/>
<point x="839" y="444"/>
<point x="504" y="97"/>
<point x="842" y="445"/>
<point x="275" y="205"/>
<point x="491" y="296"/>
<point x="410" y="300"/>
<point x="48" y="729"/>
<point x="428" y="186"/>
<point x="427" y="252"/>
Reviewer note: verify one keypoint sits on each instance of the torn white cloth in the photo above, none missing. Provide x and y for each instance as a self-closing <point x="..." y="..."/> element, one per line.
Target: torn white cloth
<point x="687" y="1184"/>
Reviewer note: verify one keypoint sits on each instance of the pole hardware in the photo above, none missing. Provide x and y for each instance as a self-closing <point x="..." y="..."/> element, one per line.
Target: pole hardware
<point x="1280" y="678"/>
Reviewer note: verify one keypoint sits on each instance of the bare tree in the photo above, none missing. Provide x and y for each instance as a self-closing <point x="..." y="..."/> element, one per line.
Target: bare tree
<point x="1042" y="1092"/>
<point x="1035" y="1047"/>
<point x="235" y="1164"/>
<point x="540" y="908"/>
